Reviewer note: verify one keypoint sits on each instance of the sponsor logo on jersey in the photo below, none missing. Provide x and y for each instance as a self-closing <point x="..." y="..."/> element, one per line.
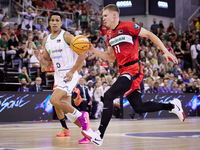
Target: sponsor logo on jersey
<point x="49" y="51"/>
<point x="136" y="26"/>
<point x="58" y="40"/>
<point x="121" y="38"/>
<point x="58" y="50"/>
<point x="120" y="31"/>
<point x="56" y="57"/>
<point x="117" y="40"/>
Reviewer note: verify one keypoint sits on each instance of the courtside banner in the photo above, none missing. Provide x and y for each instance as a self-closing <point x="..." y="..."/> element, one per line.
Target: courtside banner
<point x="190" y="104"/>
<point x="25" y="106"/>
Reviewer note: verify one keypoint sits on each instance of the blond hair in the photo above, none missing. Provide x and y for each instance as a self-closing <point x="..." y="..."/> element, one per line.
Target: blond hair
<point x="112" y="7"/>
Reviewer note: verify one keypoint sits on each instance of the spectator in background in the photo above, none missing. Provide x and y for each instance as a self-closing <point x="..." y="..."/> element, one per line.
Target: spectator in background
<point x="28" y="16"/>
<point x="193" y="88"/>
<point x="90" y="88"/>
<point x="23" y="87"/>
<point x="83" y="18"/>
<point x="40" y="23"/>
<point x="174" y="88"/>
<point x="16" y="29"/>
<point x="154" y="26"/>
<point x="13" y="43"/>
<point x="78" y="31"/>
<point x="175" y="71"/>
<point x="164" y="88"/>
<point x="24" y="75"/>
<point x="3" y="46"/>
<point x="162" y="28"/>
<point x="37" y="86"/>
<point x="96" y="38"/>
<point x="35" y="64"/>
<point x="30" y="49"/>
<point x="195" y="49"/>
<point x="43" y="32"/>
<point x="21" y="35"/>
<point x="103" y="30"/>
<point x="90" y="29"/>
<point x="49" y="4"/>
<point x="171" y="29"/>
<point x="27" y="3"/>
<point x="67" y="22"/>
<point x="110" y="70"/>
<point x="187" y="57"/>
<point x="92" y="75"/>
<point x="101" y="68"/>
<point x="99" y="46"/>
<point x="179" y="53"/>
<point x="1" y="14"/>
<point x="30" y="40"/>
<point x="153" y="89"/>
<point x="99" y="12"/>
<point x="84" y="72"/>
<point x="170" y="49"/>
<point x="4" y="21"/>
<point x="186" y="79"/>
<point x="86" y="99"/>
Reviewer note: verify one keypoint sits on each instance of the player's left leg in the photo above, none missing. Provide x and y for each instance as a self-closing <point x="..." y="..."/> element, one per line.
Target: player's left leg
<point x="136" y="102"/>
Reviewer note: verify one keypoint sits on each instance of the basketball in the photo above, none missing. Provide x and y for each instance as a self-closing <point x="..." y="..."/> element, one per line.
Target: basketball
<point x="80" y="44"/>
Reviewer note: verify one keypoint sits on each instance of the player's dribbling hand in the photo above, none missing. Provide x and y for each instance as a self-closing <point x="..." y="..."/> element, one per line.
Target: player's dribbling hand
<point x="38" y="54"/>
<point x="91" y="48"/>
<point x="169" y="55"/>
<point x="68" y="76"/>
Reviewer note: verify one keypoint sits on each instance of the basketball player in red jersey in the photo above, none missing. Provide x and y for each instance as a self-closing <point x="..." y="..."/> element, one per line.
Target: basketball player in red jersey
<point x="122" y="39"/>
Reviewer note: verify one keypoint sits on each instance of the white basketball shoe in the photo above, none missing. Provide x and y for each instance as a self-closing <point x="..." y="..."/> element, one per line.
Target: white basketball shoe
<point x="93" y="136"/>
<point x="178" y="110"/>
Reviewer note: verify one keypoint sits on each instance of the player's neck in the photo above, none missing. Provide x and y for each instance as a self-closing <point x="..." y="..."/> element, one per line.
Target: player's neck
<point x="55" y="33"/>
<point x="115" y="24"/>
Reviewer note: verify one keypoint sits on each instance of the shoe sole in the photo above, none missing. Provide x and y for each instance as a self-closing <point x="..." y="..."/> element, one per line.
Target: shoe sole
<point x="86" y="116"/>
<point x="62" y="135"/>
<point x="85" y="142"/>
<point x="87" y="136"/>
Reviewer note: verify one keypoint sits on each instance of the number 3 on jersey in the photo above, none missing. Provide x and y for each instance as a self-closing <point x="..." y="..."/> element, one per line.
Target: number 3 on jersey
<point x="117" y="49"/>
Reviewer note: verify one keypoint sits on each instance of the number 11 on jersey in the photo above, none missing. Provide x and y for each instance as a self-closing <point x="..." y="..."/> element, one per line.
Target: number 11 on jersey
<point x="117" y="49"/>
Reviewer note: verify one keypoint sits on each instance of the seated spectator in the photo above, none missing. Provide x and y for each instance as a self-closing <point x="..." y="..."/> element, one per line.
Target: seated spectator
<point x="101" y="68"/>
<point x="4" y="21"/>
<point x="86" y="99"/>
<point x="84" y="72"/>
<point x="21" y="56"/>
<point x="49" y="4"/>
<point x="30" y="48"/>
<point x="78" y="31"/>
<point x="155" y="75"/>
<point x="164" y="88"/>
<point x="27" y="3"/>
<point x="179" y="53"/>
<point x="153" y="89"/>
<point x="186" y="80"/>
<point x="96" y="38"/>
<point x="191" y="77"/>
<point x="98" y="93"/>
<point x="110" y="70"/>
<point x="44" y="33"/>
<point x="16" y="29"/>
<point x="30" y="40"/>
<point x="148" y="68"/>
<point x="171" y="29"/>
<point x="149" y="82"/>
<point x="180" y="88"/>
<point x="13" y="43"/>
<point x="90" y="29"/>
<point x="37" y="86"/>
<point x="83" y="18"/>
<point x="35" y="64"/>
<point x="99" y="46"/>
<point x="21" y="35"/>
<point x="175" y="71"/>
<point x="1" y="14"/>
<point x="174" y="88"/>
<point x="40" y="24"/>
<point x="90" y="88"/>
<point x="90" y="59"/>
<point x="24" y="75"/>
<point x="23" y="87"/>
<point x="193" y="88"/>
<point x="3" y="46"/>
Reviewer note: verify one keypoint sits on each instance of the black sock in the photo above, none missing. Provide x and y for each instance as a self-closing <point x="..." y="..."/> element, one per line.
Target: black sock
<point x="168" y="106"/>
<point x="64" y="125"/>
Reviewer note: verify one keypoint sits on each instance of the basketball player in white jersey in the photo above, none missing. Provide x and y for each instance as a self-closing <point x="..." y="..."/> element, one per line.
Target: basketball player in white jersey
<point x="66" y="64"/>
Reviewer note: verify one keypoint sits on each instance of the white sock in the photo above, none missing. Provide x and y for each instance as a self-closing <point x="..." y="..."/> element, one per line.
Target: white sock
<point x="73" y="116"/>
<point x="76" y="113"/>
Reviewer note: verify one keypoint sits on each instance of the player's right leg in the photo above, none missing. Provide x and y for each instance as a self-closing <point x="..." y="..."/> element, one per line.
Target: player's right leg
<point x="122" y="85"/>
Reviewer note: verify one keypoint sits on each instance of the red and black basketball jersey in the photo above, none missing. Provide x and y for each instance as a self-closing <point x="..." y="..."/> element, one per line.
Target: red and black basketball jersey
<point x="124" y="41"/>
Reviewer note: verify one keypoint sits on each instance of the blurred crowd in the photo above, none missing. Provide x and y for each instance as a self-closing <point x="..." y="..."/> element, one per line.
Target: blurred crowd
<point x="17" y="46"/>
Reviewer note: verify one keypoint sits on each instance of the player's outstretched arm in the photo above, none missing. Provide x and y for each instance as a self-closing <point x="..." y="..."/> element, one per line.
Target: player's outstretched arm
<point x="109" y="55"/>
<point x="43" y="57"/>
<point x="158" y="42"/>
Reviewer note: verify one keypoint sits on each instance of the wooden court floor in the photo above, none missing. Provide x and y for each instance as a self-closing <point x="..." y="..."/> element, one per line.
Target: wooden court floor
<point x="150" y="134"/>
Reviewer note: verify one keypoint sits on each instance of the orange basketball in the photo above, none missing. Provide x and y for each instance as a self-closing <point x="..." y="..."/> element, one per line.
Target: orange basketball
<point x="80" y="44"/>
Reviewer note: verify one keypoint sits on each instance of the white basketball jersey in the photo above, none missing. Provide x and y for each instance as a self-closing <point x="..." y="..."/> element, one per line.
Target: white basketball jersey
<point x="62" y="56"/>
